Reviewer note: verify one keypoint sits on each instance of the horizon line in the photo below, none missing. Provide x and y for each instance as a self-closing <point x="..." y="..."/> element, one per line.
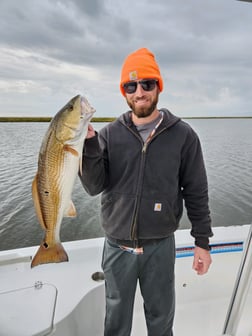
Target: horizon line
<point x="109" y="119"/>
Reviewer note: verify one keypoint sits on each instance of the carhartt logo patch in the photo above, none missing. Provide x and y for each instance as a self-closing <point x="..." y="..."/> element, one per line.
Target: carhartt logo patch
<point x="158" y="207"/>
<point x="133" y="75"/>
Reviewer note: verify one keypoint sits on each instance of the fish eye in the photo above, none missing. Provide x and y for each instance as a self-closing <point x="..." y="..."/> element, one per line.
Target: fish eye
<point x="70" y="108"/>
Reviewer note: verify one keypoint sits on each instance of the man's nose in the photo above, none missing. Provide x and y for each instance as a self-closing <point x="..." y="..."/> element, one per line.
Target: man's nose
<point x="139" y="90"/>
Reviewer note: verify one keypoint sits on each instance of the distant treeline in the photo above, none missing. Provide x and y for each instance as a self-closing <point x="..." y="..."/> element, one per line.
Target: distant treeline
<point x="101" y="119"/>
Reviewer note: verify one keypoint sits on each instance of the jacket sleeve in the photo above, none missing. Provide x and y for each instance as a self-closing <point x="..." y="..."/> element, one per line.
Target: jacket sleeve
<point x="94" y="172"/>
<point x="194" y="188"/>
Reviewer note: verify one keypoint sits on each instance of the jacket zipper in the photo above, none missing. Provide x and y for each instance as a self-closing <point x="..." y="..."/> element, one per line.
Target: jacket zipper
<point x="133" y="232"/>
<point x="134" y="236"/>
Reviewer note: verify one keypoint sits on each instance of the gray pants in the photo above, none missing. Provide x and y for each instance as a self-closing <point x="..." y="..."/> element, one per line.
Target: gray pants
<point x="155" y="271"/>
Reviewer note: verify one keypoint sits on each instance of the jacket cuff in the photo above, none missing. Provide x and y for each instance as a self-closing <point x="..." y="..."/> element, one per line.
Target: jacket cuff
<point x="203" y="242"/>
<point x="92" y="146"/>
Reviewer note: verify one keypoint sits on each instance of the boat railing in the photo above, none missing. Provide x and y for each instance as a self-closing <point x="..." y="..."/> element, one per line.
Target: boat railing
<point x="239" y="310"/>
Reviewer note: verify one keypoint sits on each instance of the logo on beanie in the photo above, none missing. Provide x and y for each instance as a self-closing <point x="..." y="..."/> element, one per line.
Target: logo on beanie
<point x="133" y="75"/>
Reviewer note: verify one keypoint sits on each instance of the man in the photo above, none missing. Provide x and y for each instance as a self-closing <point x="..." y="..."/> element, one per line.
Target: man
<point x="145" y="163"/>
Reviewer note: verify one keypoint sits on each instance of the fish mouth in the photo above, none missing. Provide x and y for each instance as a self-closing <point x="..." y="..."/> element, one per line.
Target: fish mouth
<point x="86" y="109"/>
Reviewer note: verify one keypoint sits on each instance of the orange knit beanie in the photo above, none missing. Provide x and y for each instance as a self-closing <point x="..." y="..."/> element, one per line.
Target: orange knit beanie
<point x="138" y="65"/>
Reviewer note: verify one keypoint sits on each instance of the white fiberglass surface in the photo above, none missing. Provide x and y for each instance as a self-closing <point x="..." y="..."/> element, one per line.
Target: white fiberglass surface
<point x="201" y="301"/>
<point x="28" y="311"/>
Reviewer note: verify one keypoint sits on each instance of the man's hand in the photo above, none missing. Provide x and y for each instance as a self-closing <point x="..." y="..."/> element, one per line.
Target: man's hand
<point x="202" y="260"/>
<point x="90" y="132"/>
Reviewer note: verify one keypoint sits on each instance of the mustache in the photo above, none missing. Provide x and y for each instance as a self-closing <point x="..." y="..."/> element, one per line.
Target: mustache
<point x="137" y="99"/>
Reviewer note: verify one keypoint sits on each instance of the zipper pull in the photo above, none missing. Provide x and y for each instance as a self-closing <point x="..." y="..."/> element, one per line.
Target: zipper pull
<point x="144" y="147"/>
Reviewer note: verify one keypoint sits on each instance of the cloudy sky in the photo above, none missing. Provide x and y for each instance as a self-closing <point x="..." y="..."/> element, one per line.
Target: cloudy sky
<point x="51" y="50"/>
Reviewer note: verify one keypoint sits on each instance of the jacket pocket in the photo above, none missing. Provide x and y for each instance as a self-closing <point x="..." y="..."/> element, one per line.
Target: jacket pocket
<point x="117" y="214"/>
<point x="156" y="218"/>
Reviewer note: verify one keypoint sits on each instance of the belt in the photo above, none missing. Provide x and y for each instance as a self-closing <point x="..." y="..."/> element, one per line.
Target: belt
<point x="135" y="243"/>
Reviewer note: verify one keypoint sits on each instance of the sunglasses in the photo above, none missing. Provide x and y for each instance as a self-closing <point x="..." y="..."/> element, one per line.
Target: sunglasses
<point x="146" y="84"/>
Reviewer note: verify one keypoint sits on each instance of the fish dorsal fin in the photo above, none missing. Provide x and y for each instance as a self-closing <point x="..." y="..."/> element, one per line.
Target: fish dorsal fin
<point x="36" y="201"/>
<point x="71" y="211"/>
<point x="71" y="150"/>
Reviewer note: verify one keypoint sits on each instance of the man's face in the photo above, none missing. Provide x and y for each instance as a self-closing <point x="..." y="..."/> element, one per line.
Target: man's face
<point x="143" y="102"/>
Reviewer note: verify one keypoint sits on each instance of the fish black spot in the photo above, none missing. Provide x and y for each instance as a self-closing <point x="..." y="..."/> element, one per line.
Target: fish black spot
<point x="47" y="193"/>
<point x="45" y="245"/>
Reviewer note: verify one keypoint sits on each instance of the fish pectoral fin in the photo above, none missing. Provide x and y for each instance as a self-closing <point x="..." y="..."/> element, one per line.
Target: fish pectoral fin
<point x="71" y="211"/>
<point x="36" y="202"/>
<point x="71" y="150"/>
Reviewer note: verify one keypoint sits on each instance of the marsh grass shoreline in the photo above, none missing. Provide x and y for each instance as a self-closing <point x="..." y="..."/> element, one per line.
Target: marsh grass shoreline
<point x="46" y="119"/>
<point x="99" y="119"/>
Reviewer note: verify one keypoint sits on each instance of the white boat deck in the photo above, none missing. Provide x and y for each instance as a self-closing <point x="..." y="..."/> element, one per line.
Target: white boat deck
<point x="63" y="299"/>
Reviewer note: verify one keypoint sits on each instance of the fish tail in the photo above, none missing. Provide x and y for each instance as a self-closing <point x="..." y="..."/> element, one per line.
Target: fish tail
<point x="49" y="254"/>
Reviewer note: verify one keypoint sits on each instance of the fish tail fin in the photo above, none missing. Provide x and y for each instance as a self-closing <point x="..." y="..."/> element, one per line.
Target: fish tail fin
<point x="49" y="254"/>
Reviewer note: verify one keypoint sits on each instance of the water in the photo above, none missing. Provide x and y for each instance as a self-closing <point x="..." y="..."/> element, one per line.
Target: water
<point x="227" y="147"/>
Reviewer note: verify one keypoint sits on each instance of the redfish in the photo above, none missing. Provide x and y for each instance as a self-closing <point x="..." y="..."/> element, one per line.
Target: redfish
<point x="60" y="159"/>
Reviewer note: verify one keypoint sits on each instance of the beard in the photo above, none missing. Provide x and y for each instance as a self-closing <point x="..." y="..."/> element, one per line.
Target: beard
<point x="143" y="111"/>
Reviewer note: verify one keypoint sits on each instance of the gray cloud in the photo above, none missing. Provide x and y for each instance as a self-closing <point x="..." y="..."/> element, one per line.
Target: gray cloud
<point x="53" y="48"/>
